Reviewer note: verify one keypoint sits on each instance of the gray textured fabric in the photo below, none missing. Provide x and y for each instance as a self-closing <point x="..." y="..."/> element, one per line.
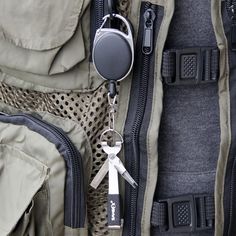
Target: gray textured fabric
<point x="190" y="131"/>
<point x="191" y="25"/>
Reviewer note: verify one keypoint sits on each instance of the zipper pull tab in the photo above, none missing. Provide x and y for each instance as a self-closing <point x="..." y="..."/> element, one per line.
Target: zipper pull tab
<point x="149" y="17"/>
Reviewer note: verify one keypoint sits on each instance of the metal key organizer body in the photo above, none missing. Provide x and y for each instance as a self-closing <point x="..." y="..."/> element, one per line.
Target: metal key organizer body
<point x="113" y="57"/>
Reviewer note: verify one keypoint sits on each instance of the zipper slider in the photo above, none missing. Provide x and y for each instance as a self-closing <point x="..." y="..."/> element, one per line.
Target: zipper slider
<point x="149" y="17"/>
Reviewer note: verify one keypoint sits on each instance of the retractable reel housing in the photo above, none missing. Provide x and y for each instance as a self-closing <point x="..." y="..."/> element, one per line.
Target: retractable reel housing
<point x="113" y="50"/>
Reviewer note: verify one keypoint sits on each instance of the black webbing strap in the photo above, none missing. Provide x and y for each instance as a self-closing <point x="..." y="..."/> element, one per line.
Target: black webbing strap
<point x="190" y="66"/>
<point x="188" y="213"/>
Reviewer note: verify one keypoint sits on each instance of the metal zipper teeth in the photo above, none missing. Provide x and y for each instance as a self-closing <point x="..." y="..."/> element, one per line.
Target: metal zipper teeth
<point x="96" y="15"/>
<point x="76" y="218"/>
<point x="99" y="12"/>
<point x="142" y="84"/>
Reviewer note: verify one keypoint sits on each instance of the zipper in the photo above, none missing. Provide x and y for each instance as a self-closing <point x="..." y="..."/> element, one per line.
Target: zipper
<point x="232" y="197"/>
<point x="99" y="13"/>
<point x="96" y="14"/>
<point x="147" y="45"/>
<point x="230" y="178"/>
<point x="75" y="209"/>
<point x="134" y="121"/>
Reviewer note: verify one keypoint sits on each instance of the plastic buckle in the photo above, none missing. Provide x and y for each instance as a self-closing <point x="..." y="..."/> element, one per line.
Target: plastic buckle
<point x="189" y="66"/>
<point x="183" y="214"/>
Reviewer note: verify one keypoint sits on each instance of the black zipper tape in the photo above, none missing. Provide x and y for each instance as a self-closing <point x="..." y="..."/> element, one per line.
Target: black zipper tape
<point x="138" y="117"/>
<point x="96" y="14"/>
<point x="229" y="19"/>
<point x="75" y="204"/>
<point x="98" y="9"/>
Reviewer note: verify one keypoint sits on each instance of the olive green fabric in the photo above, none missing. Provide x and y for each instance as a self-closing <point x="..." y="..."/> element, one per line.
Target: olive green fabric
<point x="52" y="23"/>
<point x="224" y="103"/>
<point x="60" y="62"/>
<point x="75" y="232"/>
<point x="38" y="148"/>
<point x="35" y="220"/>
<point x="19" y="141"/>
<point x="48" y="48"/>
<point x="36" y="36"/>
<point x="74" y="131"/>
<point x="79" y="138"/>
<point x="17" y="187"/>
<point x="43" y="62"/>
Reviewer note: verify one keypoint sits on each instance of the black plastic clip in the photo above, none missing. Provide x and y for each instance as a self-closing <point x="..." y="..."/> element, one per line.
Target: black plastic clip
<point x="187" y="214"/>
<point x="190" y="66"/>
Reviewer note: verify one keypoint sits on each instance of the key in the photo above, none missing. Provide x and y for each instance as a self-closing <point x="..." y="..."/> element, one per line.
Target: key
<point x="119" y="167"/>
<point x="116" y="162"/>
<point x="113" y="208"/>
<point x="115" y="166"/>
<point x="100" y="175"/>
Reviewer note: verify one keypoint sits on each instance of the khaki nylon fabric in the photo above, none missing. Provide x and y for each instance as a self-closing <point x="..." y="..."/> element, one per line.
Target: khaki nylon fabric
<point x="23" y="140"/>
<point x="87" y="105"/>
<point x="28" y="141"/>
<point x="224" y="102"/>
<point x="54" y="49"/>
<point x="14" y="180"/>
<point x="51" y="23"/>
<point x="90" y="111"/>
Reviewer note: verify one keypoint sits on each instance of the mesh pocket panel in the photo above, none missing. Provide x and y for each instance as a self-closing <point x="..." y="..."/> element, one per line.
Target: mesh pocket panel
<point x="26" y="100"/>
<point x="90" y="111"/>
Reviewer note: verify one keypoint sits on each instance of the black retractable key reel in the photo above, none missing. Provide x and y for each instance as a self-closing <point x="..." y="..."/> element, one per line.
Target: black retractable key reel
<point x="113" y="57"/>
<point x="113" y="50"/>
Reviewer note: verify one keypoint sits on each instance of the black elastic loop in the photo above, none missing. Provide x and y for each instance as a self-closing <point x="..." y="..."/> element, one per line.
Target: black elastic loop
<point x="159" y="214"/>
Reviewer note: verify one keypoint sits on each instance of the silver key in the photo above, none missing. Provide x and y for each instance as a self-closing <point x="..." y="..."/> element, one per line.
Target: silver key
<point x="100" y="175"/>
<point x="116" y="162"/>
<point x="113" y="159"/>
<point x="113" y="166"/>
<point x="113" y="208"/>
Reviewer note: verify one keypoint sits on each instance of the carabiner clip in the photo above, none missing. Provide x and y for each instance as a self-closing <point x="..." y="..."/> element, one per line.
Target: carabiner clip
<point x="111" y="8"/>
